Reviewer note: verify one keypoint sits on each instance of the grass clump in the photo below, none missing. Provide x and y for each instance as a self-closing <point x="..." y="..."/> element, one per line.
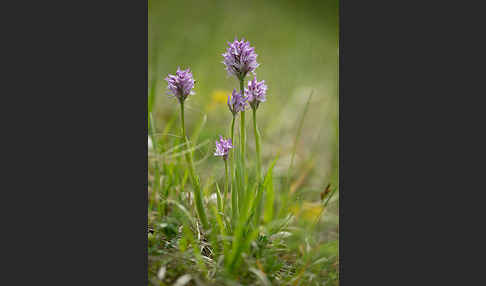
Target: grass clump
<point x="246" y="217"/>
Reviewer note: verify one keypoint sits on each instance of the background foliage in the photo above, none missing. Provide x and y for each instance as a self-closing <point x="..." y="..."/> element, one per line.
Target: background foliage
<point x="297" y="47"/>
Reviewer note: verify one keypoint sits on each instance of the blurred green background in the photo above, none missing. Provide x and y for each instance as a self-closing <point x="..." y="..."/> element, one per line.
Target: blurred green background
<point x="297" y="47"/>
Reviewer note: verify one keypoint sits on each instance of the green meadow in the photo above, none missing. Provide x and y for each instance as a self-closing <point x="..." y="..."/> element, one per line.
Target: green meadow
<point x="211" y="225"/>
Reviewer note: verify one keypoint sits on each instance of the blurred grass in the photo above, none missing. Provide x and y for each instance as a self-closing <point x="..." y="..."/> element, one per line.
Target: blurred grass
<point x="297" y="47"/>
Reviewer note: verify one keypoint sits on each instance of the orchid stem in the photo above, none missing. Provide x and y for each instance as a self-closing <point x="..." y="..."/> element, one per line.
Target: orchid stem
<point x="232" y="158"/>
<point x="194" y="179"/>
<point x="225" y="182"/>
<point x="257" y="144"/>
<point x="242" y="132"/>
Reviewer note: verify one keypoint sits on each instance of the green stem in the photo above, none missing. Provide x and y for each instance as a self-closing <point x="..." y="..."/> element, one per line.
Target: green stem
<point x="257" y="144"/>
<point x="225" y="182"/>
<point x="232" y="155"/>
<point x="233" y="129"/>
<point x="232" y="164"/>
<point x="242" y="131"/>
<point x="182" y="121"/>
<point x="192" y="172"/>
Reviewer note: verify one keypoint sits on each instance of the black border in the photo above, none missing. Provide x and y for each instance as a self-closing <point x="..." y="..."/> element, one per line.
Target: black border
<point x="145" y="246"/>
<point x="78" y="204"/>
<point x="82" y="199"/>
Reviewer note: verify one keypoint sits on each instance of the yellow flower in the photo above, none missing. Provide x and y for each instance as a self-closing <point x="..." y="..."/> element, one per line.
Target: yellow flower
<point x="218" y="96"/>
<point x="308" y="211"/>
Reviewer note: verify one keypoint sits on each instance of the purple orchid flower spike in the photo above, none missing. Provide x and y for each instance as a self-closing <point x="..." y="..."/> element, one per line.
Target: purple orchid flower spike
<point x="222" y="147"/>
<point x="240" y="58"/>
<point x="181" y="84"/>
<point x="256" y="92"/>
<point x="237" y="102"/>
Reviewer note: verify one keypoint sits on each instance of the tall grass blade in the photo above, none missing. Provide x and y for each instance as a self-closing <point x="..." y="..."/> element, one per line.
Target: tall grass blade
<point x="199" y="203"/>
<point x="156" y="181"/>
<point x="221" y="230"/>
<point x="285" y="194"/>
<point x="218" y="199"/>
<point x="269" y="194"/>
<point x="299" y="131"/>
<point x="197" y="131"/>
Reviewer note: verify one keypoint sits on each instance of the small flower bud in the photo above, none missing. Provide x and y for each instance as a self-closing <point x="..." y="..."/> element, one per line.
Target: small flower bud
<point x="222" y="147"/>
<point x="237" y="102"/>
<point x="256" y="92"/>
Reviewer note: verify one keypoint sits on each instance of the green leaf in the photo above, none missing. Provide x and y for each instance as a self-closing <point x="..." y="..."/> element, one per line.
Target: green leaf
<point x="219" y="201"/>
